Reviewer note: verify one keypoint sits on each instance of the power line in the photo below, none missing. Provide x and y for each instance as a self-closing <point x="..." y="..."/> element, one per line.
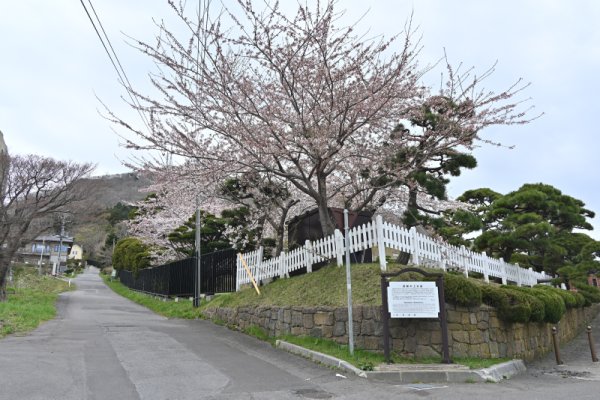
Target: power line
<point x="120" y="70"/>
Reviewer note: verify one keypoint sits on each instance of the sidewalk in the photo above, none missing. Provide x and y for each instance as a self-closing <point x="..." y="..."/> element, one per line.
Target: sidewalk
<point x="411" y="373"/>
<point x="576" y="357"/>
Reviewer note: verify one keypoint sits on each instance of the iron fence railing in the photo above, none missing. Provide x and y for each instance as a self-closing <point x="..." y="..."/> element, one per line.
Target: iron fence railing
<point x="218" y="275"/>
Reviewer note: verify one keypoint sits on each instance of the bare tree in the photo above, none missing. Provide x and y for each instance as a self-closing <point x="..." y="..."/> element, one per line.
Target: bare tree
<point x="303" y="99"/>
<point x="34" y="188"/>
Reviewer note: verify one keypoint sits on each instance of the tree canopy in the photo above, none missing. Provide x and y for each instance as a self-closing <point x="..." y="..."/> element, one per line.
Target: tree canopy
<point x="32" y="190"/>
<point x="532" y="226"/>
<point x="307" y="101"/>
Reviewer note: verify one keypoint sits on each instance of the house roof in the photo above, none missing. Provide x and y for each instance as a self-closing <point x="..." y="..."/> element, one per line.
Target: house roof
<point x="54" y="238"/>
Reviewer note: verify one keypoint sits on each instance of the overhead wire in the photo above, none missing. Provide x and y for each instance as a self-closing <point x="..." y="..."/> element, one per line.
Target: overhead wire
<point x="119" y="70"/>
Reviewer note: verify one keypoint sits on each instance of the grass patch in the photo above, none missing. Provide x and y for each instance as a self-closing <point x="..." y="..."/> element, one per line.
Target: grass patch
<point x="171" y="309"/>
<point x="325" y="287"/>
<point x="31" y="301"/>
<point x="367" y="360"/>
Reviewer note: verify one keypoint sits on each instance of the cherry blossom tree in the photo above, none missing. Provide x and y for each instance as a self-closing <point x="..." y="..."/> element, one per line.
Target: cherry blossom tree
<point x="307" y="101"/>
<point x="33" y="189"/>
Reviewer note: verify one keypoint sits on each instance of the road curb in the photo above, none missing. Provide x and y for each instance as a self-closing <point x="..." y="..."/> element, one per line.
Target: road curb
<point x="415" y="373"/>
<point x="324" y="359"/>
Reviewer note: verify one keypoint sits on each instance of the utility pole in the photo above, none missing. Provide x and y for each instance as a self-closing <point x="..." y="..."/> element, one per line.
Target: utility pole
<point x="349" y="284"/>
<point x="198" y="285"/>
<point x="62" y="233"/>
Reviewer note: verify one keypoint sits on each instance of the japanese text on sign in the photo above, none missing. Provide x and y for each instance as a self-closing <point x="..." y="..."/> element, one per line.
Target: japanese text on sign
<point x="413" y="300"/>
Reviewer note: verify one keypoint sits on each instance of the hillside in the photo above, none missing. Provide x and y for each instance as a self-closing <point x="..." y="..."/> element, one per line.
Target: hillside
<point x="89" y="225"/>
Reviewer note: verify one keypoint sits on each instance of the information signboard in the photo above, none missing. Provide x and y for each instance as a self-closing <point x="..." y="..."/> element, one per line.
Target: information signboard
<point x="413" y="300"/>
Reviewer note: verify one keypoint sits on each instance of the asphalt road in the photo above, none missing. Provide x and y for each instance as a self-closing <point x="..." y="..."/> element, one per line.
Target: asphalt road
<point x="102" y="346"/>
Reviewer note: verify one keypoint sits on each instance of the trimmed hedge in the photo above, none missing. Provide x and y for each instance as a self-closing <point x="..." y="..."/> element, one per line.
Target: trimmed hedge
<point x="590" y="294"/>
<point x="518" y="304"/>
<point x="461" y="291"/>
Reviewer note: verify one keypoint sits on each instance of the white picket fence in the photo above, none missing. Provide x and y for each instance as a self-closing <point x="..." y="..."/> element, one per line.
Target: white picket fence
<point x="424" y="251"/>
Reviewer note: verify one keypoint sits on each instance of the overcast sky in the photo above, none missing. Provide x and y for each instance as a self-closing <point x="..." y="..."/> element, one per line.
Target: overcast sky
<point x="52" y="67"/>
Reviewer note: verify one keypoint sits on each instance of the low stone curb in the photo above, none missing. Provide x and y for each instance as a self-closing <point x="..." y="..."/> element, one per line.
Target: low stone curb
<point x="319" y="357"/>
<point x="415" y="373"/>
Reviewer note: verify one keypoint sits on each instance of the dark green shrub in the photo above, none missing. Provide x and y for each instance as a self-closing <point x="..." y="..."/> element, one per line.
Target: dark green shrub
<point x="580" y="299"/>
<point x="571" y="299"/>
<point x="590" y="293"/>
<point x="459" y="290"/>
<point x="494" y="296"/>
<point x="517" y="308"/>
<point x="537" y="305"/>
<point x="554" y="305"/>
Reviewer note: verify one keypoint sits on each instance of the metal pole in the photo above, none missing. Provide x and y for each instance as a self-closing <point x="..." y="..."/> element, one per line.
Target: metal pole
<point x="556" y="349"/>
<point x="62" y="233"/>
<point x="385" y="317"/>
<point x="592" y="347"/>
<point x="198" y="284"/>
<point x="41" y="257"/>
<point x="349" y="285"/>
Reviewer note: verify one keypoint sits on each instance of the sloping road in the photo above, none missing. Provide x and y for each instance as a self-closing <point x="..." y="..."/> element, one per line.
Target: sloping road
<point x="102" y="346"/>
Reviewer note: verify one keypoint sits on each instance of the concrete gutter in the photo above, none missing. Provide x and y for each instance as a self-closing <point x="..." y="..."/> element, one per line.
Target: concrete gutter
<point x="414" y="373"/>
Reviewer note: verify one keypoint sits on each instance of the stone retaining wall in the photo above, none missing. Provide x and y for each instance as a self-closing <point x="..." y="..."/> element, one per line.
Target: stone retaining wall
<point x="473" y="332"/>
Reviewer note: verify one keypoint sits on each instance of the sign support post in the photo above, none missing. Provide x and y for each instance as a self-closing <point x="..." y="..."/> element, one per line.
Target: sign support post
<point x="413" y="300"/>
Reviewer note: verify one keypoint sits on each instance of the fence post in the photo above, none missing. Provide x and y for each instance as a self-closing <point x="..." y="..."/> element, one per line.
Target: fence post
<point x="504" y="274"/>
<point x="258" y="270"/>
<point x="465" y="256"/>
<point x="339" y="247"/>
<point x="238" y="271"/>
<point x="531" y="279"/>
<point x="282" y="257"/>
<point x="380" y="242"/>
<point x="519" y="280"/>
<point x="486" y="268"/>
<point x="414" y="245"/>
<point x="308" y="255"/>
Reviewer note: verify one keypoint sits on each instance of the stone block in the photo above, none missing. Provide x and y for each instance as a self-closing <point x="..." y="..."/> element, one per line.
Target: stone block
<point x="297" y="331"/>
<point x="373" y="343"/>
<point x="410" y="344"/>
<point x="307" y="321"/>
<point x="423" y="351"/>
<point x="494" y="322"/>
<point x="466" y="319"/>
<point x="357" y="313"/>
<point x="454" y="317"/>
<point x="424" y="338"/>
<point x="323" y="318"/>
<point x="339" y="329"/>
<point x="493" y="349"/>
<point x="367" y="327"/>
<point x="341" y="314"/>
<point x="327" y="331"/>
<point x="398" y="332"/>
<point x="483" y="325"/>
<point x="460" y="350"/>
<point x="473" y="318"/>
<point x="297" y="318"/>
<point x="396" y="345"/>
<point x="460" y="336"/>
<point x="287" y="316"/>
<point x="436" y="337"/>
<point x="316" y="332"/>
<point x="475" y="337"/>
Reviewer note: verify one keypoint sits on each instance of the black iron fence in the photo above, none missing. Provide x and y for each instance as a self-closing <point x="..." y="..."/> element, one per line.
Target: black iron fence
<point x="218" y="274"/>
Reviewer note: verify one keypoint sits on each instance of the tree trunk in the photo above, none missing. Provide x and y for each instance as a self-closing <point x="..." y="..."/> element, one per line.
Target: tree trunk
<point x="325" y="218"/>
<point x="3" y="271"/>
